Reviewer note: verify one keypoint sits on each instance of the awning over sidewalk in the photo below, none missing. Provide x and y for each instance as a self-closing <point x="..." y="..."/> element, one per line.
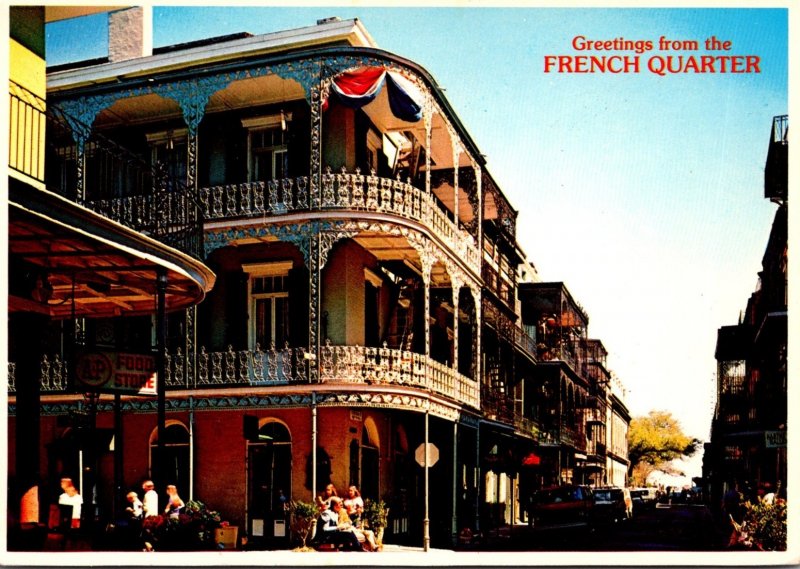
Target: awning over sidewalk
<point x="65" y="261"/>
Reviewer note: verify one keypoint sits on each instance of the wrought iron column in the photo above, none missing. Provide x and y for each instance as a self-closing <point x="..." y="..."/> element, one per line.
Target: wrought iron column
<point x="191" y="312"/>
<point x="161" y="370"/>
<point x="456" y="290"/>
<point x="28" y="355"/>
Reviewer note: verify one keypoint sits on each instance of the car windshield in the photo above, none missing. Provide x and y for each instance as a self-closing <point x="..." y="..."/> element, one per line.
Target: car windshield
<point x="556" y="495"/>
<point x="607" y="495"/>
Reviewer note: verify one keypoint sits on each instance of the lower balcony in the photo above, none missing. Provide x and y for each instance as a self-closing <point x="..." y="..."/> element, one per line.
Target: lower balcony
<point x="290" y="366"/>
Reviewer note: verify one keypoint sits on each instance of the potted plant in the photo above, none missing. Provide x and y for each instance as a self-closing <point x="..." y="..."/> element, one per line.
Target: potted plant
<point x="302" y="518"/>
<point x="764" y="525"/>
<point x="193" y="529"/>
<point x="376" y="516"/>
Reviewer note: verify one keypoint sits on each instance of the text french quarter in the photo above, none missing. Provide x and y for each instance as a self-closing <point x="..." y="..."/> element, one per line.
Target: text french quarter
<point x="657" y="64"/>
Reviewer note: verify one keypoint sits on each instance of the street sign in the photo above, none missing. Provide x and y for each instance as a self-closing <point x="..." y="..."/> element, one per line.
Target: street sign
<point x="433" y="454"/>
<point x="775" y="439"/>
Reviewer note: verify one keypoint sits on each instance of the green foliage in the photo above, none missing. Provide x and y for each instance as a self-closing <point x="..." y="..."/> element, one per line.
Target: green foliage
<point x="192" y="529"/>
<point x="302" y="519"/>
<point x="376" y="514"/>
<point x="765" y="524"/>
<point x="657" y="439"/>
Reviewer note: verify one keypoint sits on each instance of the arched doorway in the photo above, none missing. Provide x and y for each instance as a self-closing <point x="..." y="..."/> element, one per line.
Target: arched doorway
<point x="269" y="480"/>
<point x="176" y="468"/>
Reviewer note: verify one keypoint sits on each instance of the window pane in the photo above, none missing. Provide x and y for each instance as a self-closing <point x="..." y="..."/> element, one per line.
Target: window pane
<point x="282" y="321"/>
<point x="263" y="316"/>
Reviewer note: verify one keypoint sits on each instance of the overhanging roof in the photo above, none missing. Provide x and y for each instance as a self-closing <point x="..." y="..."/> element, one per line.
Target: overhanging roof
<point x="88" y="265"/>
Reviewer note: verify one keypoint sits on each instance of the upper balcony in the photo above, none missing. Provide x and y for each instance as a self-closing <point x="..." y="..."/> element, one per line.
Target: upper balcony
<point x="43" y="149"/>
<point x="342" y="192"/>
<point x="269" y="127"/>
<point x="560" y="323"/>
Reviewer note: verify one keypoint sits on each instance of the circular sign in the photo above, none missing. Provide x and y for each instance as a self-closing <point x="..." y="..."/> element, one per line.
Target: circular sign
<point x="433" y="454"/>
<point x="93" y="370"/>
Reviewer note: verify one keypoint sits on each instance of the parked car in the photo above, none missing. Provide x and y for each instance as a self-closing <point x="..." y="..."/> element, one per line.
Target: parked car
<point x="612" y="504"/>
<point x="562" y="507"/>
<point x="643" y="498"/>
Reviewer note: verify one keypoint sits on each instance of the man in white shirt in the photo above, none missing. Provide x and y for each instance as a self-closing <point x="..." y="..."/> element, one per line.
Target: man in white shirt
<point x="150" y="500"/>
<point x="71" y="499"/>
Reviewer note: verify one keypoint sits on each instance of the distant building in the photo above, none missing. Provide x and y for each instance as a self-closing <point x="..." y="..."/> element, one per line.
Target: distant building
<point x="749" y="428"/>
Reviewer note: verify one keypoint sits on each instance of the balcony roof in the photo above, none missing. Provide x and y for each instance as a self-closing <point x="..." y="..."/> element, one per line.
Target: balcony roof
<point x="91" y="266"/>
<point x="338" y="32"/>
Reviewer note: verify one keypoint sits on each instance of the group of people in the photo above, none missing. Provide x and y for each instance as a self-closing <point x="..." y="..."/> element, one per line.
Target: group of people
<point x="340" y="521"/>
<point x="138" y="510"/>
<point x="148" y="506"/>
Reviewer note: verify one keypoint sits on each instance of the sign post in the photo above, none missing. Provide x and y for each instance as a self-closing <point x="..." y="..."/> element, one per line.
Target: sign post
<point x="426" y="455"/>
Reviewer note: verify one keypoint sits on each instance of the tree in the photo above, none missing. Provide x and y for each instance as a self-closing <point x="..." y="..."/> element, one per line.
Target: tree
<point x="656" y="440"/>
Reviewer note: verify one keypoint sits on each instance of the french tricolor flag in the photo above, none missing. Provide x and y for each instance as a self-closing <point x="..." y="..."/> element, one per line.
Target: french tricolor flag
<point x="359" y="87"/>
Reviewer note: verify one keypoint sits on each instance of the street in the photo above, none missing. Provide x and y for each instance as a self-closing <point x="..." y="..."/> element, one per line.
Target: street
<point x="679" y="527"/>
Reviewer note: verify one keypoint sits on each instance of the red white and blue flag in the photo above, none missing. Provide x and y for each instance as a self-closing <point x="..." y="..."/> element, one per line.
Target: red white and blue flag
<point x="359" y="87"/>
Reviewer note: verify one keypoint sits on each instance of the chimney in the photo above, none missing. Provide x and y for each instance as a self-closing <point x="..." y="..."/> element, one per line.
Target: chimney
<point x="130" y="33"/>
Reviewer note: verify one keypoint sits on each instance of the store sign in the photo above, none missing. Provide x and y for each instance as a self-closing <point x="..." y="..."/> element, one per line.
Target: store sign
<point x="117" y="372"/>
<point x="775" y="439"/>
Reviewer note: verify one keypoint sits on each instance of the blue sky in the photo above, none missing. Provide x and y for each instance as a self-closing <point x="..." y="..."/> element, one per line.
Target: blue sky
<point x="644" y="194"/>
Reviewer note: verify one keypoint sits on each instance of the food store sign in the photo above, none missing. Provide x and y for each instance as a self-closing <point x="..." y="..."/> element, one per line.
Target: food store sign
<point x="117" y="372"/>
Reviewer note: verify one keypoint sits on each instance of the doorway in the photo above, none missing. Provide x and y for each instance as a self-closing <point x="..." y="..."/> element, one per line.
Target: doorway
<point x="269" y="482"/>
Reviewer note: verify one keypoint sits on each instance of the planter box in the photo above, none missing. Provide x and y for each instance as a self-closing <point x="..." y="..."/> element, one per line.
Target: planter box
<point x="226" y="537"/>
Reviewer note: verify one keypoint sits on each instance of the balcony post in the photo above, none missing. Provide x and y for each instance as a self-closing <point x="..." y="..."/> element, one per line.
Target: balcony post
<point x="315" y="167"/>
<point x="427" y="265"/>
<point x="476" y="337"/>
<point x="161" y="370"/>
<point x="314" y="272"/>
<point x="456" y="289"/>
<point x="191" y="312"/>
<point x="456" y="145"/>
<point x="427" y="117"/>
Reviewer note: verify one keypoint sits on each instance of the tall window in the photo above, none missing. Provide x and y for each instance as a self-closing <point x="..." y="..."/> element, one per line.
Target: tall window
<point x="268" y="148"/>
<point x="269" y="304"/>
<point x="170" y="149"/>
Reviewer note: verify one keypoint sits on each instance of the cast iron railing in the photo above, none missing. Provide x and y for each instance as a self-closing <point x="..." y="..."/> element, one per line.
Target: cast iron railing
<point x="289" y="366"/>
<point x="26" y="132"/>
<point x="105" y="177"/>
<point x="339" y="191"/>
